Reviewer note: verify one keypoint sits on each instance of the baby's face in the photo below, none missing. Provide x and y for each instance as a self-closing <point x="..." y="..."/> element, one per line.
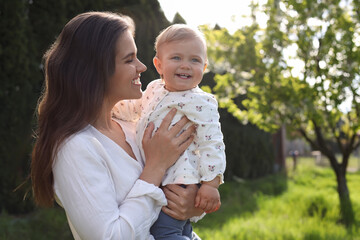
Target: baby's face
<point x="182" y="64"/>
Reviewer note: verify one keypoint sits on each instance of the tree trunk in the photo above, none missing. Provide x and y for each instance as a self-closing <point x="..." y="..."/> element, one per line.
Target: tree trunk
<point x="347" y="214"/>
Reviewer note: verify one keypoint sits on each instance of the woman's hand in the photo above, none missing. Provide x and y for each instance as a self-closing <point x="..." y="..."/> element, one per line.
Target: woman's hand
<point x="181" y="201"/>
<point x="164" y="147"/>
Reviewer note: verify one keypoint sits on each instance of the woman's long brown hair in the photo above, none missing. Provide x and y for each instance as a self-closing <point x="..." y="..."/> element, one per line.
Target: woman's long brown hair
<point x="77" y="68"/>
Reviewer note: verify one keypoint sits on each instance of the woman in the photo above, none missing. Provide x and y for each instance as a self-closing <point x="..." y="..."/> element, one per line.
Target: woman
<point x="86" y="160"/>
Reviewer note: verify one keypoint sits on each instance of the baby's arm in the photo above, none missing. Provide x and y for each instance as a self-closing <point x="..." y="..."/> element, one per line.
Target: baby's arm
<point x="208" y="197"/>
<point x="127" y="110"/>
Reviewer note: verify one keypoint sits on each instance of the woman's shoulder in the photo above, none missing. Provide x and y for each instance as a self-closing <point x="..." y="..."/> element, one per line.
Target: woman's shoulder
<point x="83" y="139"/>
<point x="81" y="149"/>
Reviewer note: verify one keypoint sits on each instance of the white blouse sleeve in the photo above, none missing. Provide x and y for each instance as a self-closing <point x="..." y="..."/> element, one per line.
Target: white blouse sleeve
<point x="84" y="185"/>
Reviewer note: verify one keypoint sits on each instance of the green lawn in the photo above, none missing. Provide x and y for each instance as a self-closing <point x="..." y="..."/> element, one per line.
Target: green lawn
<point x="303" y="205"/>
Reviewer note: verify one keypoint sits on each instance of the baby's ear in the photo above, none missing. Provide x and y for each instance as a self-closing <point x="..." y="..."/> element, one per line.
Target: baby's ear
<point x="157" y="64"/>
<point x="205" y="67"/>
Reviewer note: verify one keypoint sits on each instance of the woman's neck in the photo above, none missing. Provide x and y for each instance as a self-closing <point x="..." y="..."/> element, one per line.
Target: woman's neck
<point x="104" y="121"/>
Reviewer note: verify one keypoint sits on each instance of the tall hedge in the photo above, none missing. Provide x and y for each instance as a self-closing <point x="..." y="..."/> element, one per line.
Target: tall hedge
<point x="27" y="28"/>
<point x="17" y="102"/>
<point x="249" y="151"/>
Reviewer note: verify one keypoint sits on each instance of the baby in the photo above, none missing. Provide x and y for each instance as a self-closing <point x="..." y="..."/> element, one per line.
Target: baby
<point x="181" y="61"/>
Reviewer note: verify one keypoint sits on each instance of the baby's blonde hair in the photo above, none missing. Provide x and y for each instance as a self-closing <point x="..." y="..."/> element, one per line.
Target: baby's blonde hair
<point x="178" y="32"/>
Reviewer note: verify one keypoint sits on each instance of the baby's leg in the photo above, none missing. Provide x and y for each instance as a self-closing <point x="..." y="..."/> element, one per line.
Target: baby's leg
<point x="168" y="228"/>
<point x="187" y="229"/>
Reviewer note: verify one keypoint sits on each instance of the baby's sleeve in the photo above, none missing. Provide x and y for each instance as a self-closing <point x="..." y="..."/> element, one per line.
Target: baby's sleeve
<point x="203" y="111"/>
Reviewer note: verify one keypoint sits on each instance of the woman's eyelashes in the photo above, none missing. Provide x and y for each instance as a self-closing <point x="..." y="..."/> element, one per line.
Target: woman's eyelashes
<point x="129" y="60"/>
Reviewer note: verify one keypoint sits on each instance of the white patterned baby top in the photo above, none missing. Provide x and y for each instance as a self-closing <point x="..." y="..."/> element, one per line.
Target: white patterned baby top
<point x="205" y="157"/>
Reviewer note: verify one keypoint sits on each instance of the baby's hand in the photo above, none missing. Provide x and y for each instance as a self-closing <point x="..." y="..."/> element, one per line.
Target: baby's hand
<point x="208" y="198"/>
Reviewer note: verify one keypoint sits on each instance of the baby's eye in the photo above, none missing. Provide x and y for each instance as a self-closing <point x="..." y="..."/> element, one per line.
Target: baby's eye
<point x="195" y="60"/>
<point x="176" y="58"/>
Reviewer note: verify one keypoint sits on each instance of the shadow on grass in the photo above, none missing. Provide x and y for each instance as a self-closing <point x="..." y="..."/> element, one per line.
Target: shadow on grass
<point x="241" y="198"/>
<point x="42" y="224"/>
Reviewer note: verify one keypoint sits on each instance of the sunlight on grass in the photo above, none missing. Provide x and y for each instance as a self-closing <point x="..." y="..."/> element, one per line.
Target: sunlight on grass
<point x="302" y="206"/>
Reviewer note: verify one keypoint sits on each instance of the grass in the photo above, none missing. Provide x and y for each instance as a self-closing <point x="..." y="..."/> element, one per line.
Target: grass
<point x="302" y="205"/>
<point x="42" y="224"/>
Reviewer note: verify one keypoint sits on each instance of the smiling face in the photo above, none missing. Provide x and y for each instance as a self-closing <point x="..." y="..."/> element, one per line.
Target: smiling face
<point x="181" y="64"/>
<point x="125" y="81"/>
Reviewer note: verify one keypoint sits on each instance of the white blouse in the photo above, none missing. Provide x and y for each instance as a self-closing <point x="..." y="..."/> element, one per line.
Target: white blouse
<point x="98" y="185"/>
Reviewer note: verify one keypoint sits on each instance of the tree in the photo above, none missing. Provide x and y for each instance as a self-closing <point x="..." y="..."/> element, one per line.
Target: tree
<point x="178" y="19"/>
<point x="306" y="77"/>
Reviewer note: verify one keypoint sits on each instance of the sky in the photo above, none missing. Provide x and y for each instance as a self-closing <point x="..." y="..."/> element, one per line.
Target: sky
<point x="225" y="13"/>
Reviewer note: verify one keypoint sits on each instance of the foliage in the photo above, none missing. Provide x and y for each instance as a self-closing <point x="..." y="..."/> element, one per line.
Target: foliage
<point x="17" y="102"/>
<point x="234" y="60"/>
<point x="299" y="206"/>
<point x="304" y="71"/>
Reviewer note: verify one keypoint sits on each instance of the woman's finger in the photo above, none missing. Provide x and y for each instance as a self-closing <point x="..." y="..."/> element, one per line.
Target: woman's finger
<point x="175" y="210"/>
<point x="171" y="191"/>
<point x="165" y="124"/>
<point x="181" y="201"/>
<point x="148" y="132"/>
<point x="183" y="146"/>
<point x="172" y="213"/>
<point x="185" y="135"/>
<point x="178" y="126"/>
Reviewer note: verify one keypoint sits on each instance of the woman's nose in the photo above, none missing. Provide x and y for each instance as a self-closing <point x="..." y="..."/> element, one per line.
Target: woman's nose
<point x="141" y="67"/>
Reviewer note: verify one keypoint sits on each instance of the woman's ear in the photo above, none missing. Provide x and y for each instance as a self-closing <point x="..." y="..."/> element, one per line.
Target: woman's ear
<point x="157" y="64"/>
